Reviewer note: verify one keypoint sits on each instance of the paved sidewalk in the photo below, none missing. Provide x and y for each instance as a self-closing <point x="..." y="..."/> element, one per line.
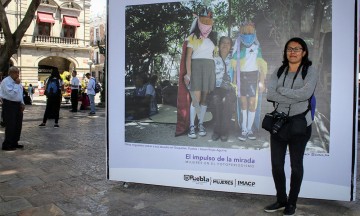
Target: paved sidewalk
<point x="62" y="171"/>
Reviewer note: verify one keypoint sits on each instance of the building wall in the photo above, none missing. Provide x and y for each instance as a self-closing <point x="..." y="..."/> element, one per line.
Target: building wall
<point x="61" y="52"/>
<point x="98" y="33"/>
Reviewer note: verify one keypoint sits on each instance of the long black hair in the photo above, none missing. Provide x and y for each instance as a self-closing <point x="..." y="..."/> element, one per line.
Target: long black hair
<point x="55" y="73"/>
<point x="305" y="61"/>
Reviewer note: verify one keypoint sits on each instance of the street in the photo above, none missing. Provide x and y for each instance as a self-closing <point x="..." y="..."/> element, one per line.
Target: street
<point x="62" y="171"/>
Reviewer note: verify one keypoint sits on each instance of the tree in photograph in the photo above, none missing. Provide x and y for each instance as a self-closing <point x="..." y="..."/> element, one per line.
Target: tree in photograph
<point x="153" y="31"/>
<point x="230" y="13"/>
<point x="13" y="40"/>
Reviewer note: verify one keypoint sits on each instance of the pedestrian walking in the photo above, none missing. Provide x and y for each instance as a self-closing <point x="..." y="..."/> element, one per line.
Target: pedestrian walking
<point x="91" y="92"/>
<point x="31" y="91"/>
<point x="11" y="92"/>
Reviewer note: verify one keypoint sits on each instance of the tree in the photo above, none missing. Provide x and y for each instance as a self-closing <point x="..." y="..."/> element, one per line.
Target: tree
<point x="13" y="40"/>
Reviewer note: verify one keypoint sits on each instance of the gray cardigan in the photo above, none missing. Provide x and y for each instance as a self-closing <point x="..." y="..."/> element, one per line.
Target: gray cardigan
<point x="297" y="97"/>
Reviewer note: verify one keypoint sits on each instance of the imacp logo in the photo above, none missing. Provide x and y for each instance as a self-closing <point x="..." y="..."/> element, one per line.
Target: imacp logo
<point x="246" y="183"/>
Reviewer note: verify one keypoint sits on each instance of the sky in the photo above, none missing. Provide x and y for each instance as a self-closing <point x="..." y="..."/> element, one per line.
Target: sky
<point x="97" y="6"/>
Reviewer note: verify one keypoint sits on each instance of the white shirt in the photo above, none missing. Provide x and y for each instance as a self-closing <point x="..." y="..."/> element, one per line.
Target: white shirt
<point x="91" y="86"/>
<point x="150" y="90"/>
<point x="11" y="91"/>
<point x="204" y="51"/>
<point x="75" y="83"/>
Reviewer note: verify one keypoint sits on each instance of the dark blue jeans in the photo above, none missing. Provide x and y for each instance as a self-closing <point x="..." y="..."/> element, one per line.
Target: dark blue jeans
<point x="278" y="148"/>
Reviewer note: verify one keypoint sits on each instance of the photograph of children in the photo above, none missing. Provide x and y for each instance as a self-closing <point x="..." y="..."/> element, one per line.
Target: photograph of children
<point x="197" y="72"/>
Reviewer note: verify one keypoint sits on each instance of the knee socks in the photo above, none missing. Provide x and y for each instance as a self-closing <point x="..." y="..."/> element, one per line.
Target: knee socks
<point x="192" y="114"/>
<point x="248" y="120"/>
<point x="244" y="120"/>
<point x="251" y="117"/>
<point x="202" y="113"/>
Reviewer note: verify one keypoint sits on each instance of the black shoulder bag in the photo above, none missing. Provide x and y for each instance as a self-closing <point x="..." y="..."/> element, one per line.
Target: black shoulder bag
<point x="283" y="126"/>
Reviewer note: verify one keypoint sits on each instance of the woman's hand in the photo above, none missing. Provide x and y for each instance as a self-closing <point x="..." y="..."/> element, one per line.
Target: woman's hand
<point x="187" y="79"/>
<point x="261" y="87"/>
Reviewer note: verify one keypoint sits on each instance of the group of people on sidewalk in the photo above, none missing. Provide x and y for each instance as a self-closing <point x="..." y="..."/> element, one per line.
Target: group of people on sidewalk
<point x="53" y="88"/>
<point x="90" y="92"/>
<point x="13" y="106"/>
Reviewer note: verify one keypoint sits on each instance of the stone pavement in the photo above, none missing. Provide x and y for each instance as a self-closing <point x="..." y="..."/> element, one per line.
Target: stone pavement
<point x="62" y="171"/>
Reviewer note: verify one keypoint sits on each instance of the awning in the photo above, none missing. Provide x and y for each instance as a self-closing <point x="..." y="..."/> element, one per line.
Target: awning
<point x="71" y="21"/>
<point x="45" y="17"/>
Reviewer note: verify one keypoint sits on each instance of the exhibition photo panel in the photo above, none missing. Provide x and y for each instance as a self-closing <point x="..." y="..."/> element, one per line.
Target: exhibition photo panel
<point x="149" y="104"/>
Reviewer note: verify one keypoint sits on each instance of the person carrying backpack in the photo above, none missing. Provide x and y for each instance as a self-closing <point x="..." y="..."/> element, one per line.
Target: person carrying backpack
<point x="91" y="92"/>
<point x="290" y="93"/>
<point x="53" y="88"/>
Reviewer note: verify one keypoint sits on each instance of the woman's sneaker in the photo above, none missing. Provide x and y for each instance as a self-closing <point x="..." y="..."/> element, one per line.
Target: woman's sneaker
<point x="251" y="136"/>
<point x="275" y="207"/>
<point x="243" y="135"/>
<point x="290" y="209"/>
<point x="192" y="133"/>
<point x="202" y="131"/>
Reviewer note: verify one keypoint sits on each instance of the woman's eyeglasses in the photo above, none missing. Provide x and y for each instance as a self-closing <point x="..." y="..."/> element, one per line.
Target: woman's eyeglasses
<point x="296" y="49"/>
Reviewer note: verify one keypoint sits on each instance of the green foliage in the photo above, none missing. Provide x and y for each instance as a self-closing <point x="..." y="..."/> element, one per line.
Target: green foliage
<point x="13" y="39"/>
<point x="152" y="31"/>
<point x="155" y="32"/>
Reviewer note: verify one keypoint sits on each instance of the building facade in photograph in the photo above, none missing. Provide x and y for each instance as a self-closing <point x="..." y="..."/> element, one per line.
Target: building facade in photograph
<point x="57" y="37"/>
<point x="97" y="42"/>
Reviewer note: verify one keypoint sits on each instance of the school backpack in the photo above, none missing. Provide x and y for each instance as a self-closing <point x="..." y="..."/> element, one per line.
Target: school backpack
<point x="97" y="87"/>
<point x="312" y="99"/>
<point x="53" y="87"/>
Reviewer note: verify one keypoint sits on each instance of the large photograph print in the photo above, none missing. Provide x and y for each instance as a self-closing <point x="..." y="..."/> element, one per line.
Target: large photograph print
<point x="155" y="66"/>
<point x="162" y="132"/>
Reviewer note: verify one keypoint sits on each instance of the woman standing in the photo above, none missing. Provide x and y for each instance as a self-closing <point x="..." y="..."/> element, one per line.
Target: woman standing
<point x="290" y="93"/>
<point x="223" y="97"/>
<point x="53" y="88"/>
<point x="200" y="68"/>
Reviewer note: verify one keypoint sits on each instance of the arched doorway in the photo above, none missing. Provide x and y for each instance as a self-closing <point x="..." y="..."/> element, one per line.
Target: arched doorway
<point x="46" y="66"/>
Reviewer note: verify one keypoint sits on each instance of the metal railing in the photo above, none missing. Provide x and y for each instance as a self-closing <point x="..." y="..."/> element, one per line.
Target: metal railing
<point x="55" y="40"/>
<point x="49" y="40"/>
